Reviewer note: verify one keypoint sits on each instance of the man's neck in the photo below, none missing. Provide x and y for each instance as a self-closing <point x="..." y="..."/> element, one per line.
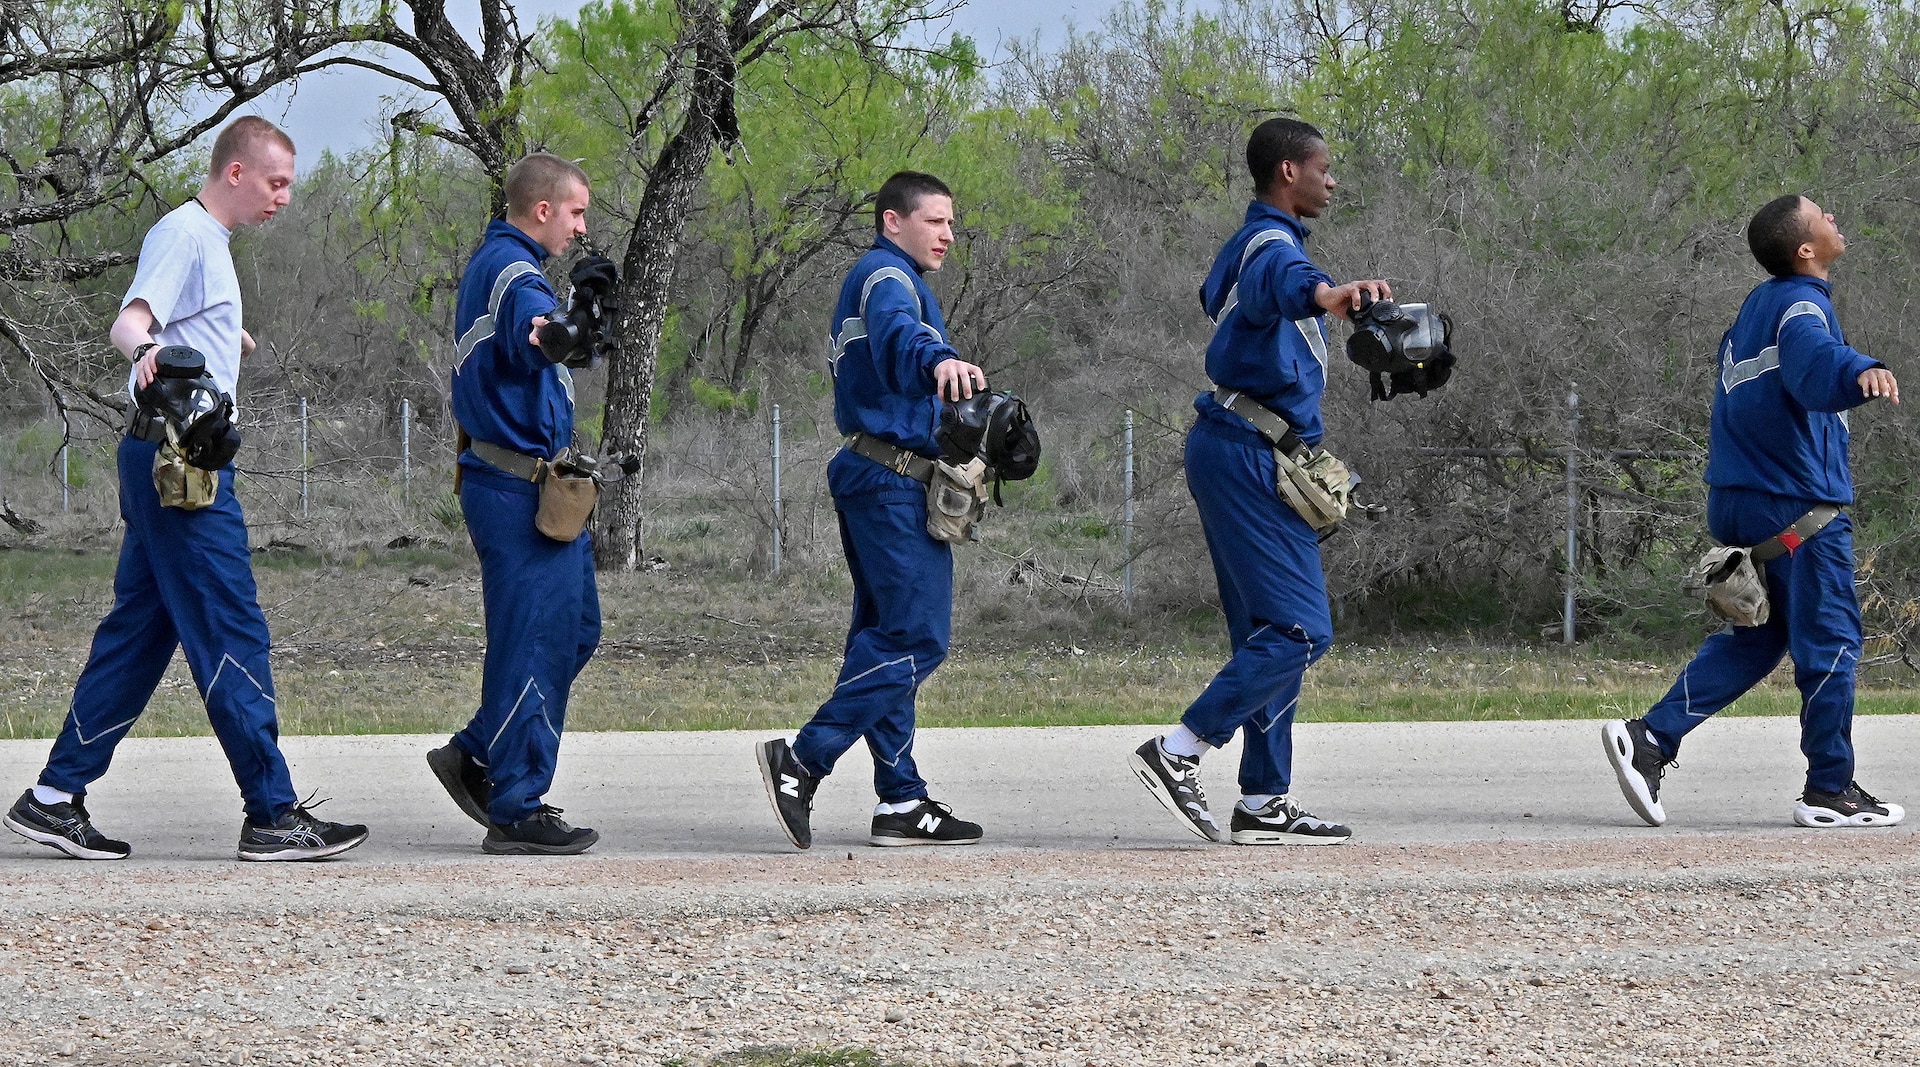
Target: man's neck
<point x="1811" y="269"/>
<point x="209" y="199"/>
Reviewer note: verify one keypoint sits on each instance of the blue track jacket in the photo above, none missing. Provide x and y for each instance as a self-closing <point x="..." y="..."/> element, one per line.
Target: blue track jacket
<point x="1786" y="378"/>
<point x="505" y="392"/>
<point x="1269" y="342"/>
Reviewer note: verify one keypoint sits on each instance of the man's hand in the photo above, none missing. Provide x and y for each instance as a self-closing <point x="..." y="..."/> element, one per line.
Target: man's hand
<point x="956" y="379"/>
<point x="1344" y="300"/>
<point x="145" y="371"/>
<point x="534" y="337"/>
<point x="247" y="344"/>
<point x="1879" y="382"/>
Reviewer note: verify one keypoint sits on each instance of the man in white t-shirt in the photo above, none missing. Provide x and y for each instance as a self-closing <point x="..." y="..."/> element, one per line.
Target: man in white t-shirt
<point x="185" y="578"/>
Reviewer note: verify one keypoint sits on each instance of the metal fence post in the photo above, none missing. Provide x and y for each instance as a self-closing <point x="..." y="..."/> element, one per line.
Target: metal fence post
<point x="777" y="516"/>
<point x="1126" y="513"/>
<point x="306" y="457"/>
<point x="65" y="484"/>
<point x="1573" y="509"/>
<point x="406" y="448"/>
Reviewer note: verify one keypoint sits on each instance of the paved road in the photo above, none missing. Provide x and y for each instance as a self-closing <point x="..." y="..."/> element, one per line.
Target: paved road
<point x="698" y="795"/>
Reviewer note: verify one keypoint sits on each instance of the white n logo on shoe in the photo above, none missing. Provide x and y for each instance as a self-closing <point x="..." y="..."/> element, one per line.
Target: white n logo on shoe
<point x="929" y="822"/>
<point x="790" y="786"/>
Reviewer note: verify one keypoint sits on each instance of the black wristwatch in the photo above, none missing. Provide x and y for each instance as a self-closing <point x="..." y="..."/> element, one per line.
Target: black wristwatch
<point x="140" y="352"/>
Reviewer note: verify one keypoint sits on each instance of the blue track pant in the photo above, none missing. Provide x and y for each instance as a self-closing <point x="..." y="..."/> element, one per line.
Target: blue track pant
<point x="1815" y="618"/>
<point x="185" y="580"/>
<point x="1267" y="561"/>
<point x="902" y="623"/>
<point x="543" y="623"/>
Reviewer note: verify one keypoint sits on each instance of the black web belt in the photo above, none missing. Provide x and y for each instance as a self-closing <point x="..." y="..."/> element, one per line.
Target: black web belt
<point x="1794" y="536"/>
<point x="894" y="458"/>
<point x="518" y="464"/>
<point x="1271" y="426"/>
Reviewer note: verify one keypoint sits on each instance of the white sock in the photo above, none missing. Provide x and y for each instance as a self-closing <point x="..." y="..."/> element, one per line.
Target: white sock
<point x="898" y="809"/>
<point x="50" y="795"/>
<point x="1256" y="801"/>
<point x="1181" y="741"/>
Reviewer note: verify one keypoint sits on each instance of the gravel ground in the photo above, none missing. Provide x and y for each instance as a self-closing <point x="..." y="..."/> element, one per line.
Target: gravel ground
<point x="1784" y="947"/>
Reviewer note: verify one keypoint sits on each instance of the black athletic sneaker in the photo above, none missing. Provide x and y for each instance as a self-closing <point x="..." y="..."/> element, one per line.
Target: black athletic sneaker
<point x="465" y="781"/>
<point x="544" y="833"/>
<point x="65" y="827"/>
<point x="790" y="788"/>
<point x="932" y="823"/>
<point x="297" y="835"/>
<point x="1639" y="764"/>
<point x="1175" y="782"/>
<point x="1281" y="822"/>
<point x="1852" y="806"/>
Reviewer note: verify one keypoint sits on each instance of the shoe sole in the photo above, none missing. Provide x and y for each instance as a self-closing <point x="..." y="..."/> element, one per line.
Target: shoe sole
<point x="79" y="852"/>
<point x="880" y="841"/>
<point x="1281" y="837"/>
<point x="1619" y="745"/>
<point x="447" y="769"/>
<point x="1159" y="791"/>
<point x="298" y="855"/>
<point x="530" y="848"/>
<point x="767" y="778"/>
<point x="1828" y="819"/>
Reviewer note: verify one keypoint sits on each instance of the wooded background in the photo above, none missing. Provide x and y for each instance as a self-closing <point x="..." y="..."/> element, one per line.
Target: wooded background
<point x="1569" y="181"/>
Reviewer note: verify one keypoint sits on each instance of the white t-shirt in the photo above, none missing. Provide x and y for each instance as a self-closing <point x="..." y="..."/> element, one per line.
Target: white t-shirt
<point x="186" y="276"/>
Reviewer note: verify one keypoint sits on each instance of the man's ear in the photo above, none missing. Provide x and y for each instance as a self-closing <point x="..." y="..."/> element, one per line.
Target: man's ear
<point x="542" y="211"/>
<point x="1285" y="172"/>
<point x="1805" y="251"/>
<point x="231" y="175"/>
<point x="889" y="221"/>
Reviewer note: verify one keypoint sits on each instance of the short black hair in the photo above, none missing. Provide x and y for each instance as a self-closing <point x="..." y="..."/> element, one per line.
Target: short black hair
<point x="903" y="192"/>
<point x="1776" y="234"/>
<point x="1278" y="141"/>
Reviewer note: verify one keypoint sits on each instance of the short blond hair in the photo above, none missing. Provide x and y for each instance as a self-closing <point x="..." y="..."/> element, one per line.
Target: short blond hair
<point x="241" y="140"/>
<point x="540" y="176"/>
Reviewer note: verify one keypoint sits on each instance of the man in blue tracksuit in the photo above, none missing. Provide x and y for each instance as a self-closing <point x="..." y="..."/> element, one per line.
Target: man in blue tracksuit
<point x="1269" y="350"/>
<point x="542" y="606"/>
<point x="185" y="578"/>
<point x="1777" y="469"/>
<point x="891" y="366"/>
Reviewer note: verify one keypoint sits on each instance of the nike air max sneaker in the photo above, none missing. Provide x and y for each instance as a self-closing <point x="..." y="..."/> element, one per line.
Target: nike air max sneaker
<point x="297" y="835"/>
<point x="1852" y="806"/>
<point x="65" y="827"/>
<point x="1639" y="765"/>
<point x="544" y="833"/>
<point x="1281" y="822"/>
<point x="789" y="788"/>
<point x="1175" y="782"/>
<point x="932" y="823"/>
<point x="464" y="780"/>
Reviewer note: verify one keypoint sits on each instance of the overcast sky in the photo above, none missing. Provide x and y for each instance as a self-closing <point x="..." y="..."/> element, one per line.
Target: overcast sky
<point x="339" y="109"/>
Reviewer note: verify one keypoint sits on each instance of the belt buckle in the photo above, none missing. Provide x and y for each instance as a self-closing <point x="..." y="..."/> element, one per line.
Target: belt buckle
<point x="901" y="462"/>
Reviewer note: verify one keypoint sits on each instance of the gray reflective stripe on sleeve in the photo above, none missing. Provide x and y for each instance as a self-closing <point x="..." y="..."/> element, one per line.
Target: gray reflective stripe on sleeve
<point x="482" y="327"/>
<point x="854" y="329"/>
<point x="1804" y="307"/>
<point x="1260" y="240"/>
<point x="1310" y="329"/>
<point x="1746" y="370"/>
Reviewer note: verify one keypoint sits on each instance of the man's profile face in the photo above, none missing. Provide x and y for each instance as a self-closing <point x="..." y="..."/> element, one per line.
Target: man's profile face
<point x="558" y="223"/>
<point x="924" y="234"/>
<point x="1822" y="234"/>
<point x="1307" y="184"/>
<point x="262" y="182"/>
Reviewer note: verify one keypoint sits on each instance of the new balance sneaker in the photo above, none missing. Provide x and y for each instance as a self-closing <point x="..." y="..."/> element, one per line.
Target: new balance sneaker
<point x="1281" y="822"/>
<point x="790" y="789"/>
<point x="65" y="827"/>
<point x="544" y="833"/>
<point x="1852" y="806"/>
<point x="1175" y="782"/>
<point x="465" y="781"/>
<point x="932" y="823"/>
<point x="297" y="835"/>
<point x="1639" y="764"/>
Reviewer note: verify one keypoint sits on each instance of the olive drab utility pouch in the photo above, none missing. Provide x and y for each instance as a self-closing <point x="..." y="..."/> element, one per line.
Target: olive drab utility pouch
<point x="567" y="498"/>
<point x="1733" y="585"/>
<point x="1316" y="485"/>
<point x="180" y="484"/>
<point x="957" y="500"/>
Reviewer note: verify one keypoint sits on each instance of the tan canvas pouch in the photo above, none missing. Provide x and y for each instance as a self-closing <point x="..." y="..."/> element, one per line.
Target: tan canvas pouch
<point x="1320" y="489"/>
<point x="957" y="501"/>
<point x="566" y="503"/>
<point x="1733" y="585"/>
<point x="179" y="485"/>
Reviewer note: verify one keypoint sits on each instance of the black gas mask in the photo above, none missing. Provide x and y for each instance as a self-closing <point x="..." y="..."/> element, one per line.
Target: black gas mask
<point x="995" y="428"/>
<point x="198" y="417"/>
<point x="587" y="331"/>
<point x="1407" y="344"/>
